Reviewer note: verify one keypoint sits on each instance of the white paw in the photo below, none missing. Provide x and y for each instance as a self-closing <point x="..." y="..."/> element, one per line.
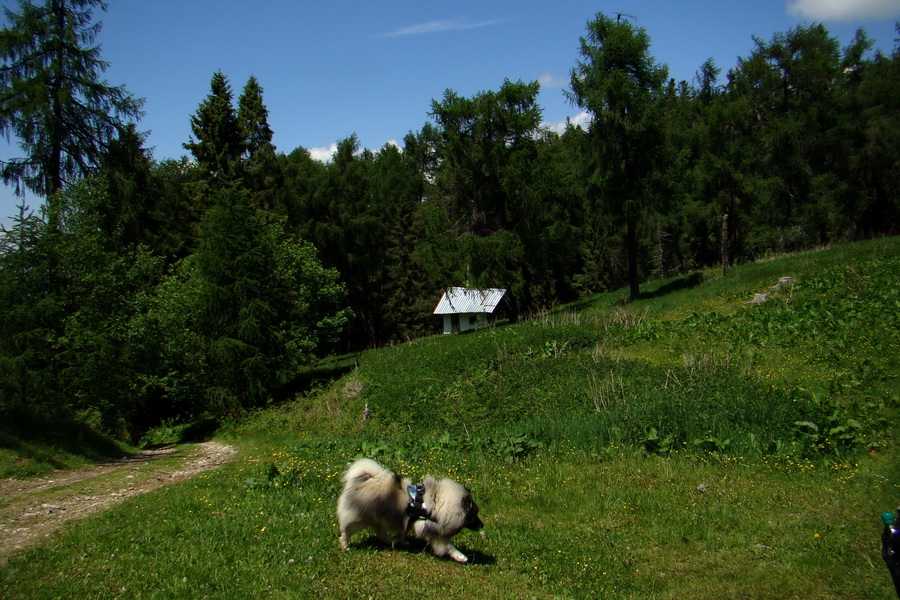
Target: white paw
<point x="458" y="556"/>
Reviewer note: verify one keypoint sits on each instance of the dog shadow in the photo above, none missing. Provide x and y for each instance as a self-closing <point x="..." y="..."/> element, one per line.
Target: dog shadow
<point x="414" y="546"/>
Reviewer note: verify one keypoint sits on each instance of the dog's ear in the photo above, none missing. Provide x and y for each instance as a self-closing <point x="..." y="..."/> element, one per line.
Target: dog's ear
<point x="467" y="500"/>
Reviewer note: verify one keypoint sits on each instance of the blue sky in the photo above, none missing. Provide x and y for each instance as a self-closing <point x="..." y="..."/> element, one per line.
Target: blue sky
<point x="331" y="69"/>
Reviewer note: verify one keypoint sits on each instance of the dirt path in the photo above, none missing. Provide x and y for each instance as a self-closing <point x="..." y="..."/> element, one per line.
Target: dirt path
<point x="34" y="509"/>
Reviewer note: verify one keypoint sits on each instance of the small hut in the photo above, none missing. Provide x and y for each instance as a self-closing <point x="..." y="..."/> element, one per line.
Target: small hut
<point x="464" y="309"/>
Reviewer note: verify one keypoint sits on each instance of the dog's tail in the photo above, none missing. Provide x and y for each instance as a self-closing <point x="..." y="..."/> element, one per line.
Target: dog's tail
<point x="363" y="470"/>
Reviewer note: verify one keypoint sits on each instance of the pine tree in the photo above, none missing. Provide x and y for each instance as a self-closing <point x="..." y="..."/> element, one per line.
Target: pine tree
<point x="261" y="170"/>
<point x="30" y="311"/>
<point x="129" y="214"/>
<point x="236" y="301"/>
<point x="219" y="144"/>
<point x="489" y="180"/>
<point x="53" y="98"/>
<point x="620" y="84"/>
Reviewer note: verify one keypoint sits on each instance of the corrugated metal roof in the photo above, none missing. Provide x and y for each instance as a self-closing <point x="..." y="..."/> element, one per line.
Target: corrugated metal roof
<point x="460" y="300"/>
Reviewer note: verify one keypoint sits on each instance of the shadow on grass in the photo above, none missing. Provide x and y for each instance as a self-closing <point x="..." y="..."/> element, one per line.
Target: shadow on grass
<point x="677" y="284"/>
<point x="38" y="445"/>
<point x="321" y="373"/>
<point x="416" y="546"/>
<point x="684" y="282"/>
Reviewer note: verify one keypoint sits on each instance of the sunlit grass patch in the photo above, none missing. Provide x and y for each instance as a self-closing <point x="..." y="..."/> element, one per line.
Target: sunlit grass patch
<point x="560" y="523"/>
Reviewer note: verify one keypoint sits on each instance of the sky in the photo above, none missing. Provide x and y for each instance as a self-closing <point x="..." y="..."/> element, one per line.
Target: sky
<point x="332" y="69"/>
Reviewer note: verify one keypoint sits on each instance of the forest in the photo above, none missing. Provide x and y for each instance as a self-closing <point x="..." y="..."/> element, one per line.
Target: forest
<point x="147" y="291"/>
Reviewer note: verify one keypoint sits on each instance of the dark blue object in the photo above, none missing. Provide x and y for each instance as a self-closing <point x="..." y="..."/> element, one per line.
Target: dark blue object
<point x="890" y="548"/>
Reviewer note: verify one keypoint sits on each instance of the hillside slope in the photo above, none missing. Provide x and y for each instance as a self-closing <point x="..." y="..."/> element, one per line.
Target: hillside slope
<point x="694" y="363"/>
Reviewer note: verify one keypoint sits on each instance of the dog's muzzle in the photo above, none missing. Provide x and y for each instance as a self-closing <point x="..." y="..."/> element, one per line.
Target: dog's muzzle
<point x="473" y="523"/>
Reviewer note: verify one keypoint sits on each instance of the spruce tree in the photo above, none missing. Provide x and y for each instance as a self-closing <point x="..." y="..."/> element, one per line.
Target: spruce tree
<point x="621" y="85"/>
<point x="260" y="304"/>
<point x="219" y="143"/>
<point x="53" y="97"/>
<point x="487" y="175"/>
<point x="261" y="170"/>
<point x="30" y="310"/>
<point x="129" y="215"/>
<point x="237" y="313"/>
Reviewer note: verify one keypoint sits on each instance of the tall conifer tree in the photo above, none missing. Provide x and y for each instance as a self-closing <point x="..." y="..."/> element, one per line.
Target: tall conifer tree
<point x="261" y="171"/>
<point x="620" y="84"/>
<point x="52" y="97"/>
<point x="217" y="142"/>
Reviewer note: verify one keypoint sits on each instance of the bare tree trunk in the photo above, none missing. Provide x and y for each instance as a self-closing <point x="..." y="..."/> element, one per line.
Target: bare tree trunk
<point x="632" y="252"/>
<point x="661" y="251"/>
<point x="725" y="245"/>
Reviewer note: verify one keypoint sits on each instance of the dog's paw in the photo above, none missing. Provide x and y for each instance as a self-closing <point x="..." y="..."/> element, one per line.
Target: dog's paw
<point x="458" y="556"/>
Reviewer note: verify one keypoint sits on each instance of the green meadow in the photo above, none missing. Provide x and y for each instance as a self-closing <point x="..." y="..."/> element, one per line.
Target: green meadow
<point x="686" y="445"/>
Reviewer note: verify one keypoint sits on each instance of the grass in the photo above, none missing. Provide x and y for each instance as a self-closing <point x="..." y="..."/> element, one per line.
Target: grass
<point x="683" y="446"/>
<point x="559" y="525"/>
<point x="33" y="449"/>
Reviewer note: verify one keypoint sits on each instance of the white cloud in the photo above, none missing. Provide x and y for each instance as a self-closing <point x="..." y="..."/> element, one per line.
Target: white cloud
<point x="552" y="80"/>
<point x="323" y="155"/>
<point x="844" y="10"/>
<point x="326" y="155"/>
<point x="438" y="26"/>
<point x="582" y="119"/>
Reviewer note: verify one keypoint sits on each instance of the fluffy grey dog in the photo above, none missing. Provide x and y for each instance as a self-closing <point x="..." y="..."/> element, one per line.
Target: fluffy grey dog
<point x="374" y="497"/>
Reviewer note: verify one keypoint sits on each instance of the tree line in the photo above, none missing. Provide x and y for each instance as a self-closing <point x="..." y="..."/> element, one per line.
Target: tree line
<point x="150" y="290"/>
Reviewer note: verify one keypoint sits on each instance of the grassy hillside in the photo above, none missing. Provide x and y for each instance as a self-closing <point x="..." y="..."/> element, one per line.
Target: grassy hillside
<point x="693" y="362"/>
<point x="688" y="445"/>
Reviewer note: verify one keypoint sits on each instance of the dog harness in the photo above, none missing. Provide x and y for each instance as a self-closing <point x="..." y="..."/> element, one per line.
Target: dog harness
<point x="417" y="509"/>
